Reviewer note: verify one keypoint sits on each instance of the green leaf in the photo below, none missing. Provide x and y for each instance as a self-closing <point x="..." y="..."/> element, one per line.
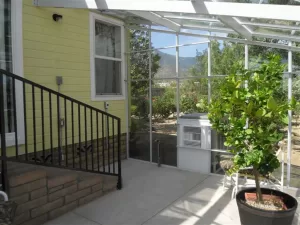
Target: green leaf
<point x="293" y="102"/>
<point x="249" y="107"/>
<point x="272" y="103"/>
<point x="259" y="113"/>
<point x="268" y="114"/>
<point x="236" y="94"/>
<point x="285" y="120"/>
<point x="249" y="131"/>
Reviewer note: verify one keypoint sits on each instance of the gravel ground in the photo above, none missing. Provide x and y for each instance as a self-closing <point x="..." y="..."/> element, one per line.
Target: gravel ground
<point x="266" y="205"/>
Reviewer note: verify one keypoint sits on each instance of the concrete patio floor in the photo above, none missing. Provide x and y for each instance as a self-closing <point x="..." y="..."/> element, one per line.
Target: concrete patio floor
<point x="159" y="196"/>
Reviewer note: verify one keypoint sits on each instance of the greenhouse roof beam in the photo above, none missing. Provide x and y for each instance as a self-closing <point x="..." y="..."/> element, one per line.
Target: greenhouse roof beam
<point x="263" y="11"/>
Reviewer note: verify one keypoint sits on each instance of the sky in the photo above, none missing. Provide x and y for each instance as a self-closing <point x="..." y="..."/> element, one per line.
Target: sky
<point x="165" y="39"/>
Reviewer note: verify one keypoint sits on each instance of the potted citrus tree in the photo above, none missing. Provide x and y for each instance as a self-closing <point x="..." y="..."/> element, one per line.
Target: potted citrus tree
<point x="250" y="115"/>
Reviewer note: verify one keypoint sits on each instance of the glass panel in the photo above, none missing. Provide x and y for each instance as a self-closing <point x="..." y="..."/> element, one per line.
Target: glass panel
<point x="202" y="23"/>
<point x="217" y="159"/>
<point x="278" y="22"/>
<point x="107" y="39"/>
<point x="215" y="83"/>
<point x="277" y="2"/>
<point x="8" y="105"/>
<point x="164" y="63"/>
<point x="188" y="39"/>
<point x="164" y="120"/>
<point x="107" y="77"/>
<point x="259" y="54"/>
<point x="295" y="159"/>
<point x="224" y="55"/>
<point x="217" y="141"/>
<point x="193" y="95"/>
<point x="188" y="16"/>
<point x="6" y="62"/>
<point x="139" y="65"/>
<point x="271" y="31"/>
<point x="192" y="61"/>
<point x="139" y="40"/>
<point x="139" y="142"/>
<point x="160" y="40"/>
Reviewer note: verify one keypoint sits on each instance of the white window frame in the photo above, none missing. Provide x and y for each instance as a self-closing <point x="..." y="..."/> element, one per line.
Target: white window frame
<point x="17" y="61"/>
<point x="94" y="97"/>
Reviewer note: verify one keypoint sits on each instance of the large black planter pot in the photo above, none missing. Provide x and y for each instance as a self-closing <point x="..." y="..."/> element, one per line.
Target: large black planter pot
<point x="253" y="216"/>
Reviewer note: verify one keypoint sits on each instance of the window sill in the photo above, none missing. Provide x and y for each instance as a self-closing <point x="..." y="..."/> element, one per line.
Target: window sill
<point x="108" y="98"/>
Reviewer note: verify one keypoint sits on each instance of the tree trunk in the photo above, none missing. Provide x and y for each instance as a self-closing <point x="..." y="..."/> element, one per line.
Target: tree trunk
<point x="257" y="184"/>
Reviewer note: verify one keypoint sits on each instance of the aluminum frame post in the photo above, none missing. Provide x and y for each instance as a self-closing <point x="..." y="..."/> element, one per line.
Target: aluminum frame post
<point x="289" y="141"/>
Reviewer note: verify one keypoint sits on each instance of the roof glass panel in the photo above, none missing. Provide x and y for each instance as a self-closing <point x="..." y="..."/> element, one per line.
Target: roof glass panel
<point x="277" y="2"/>
<point x="272" y="31"/>
<point x="198" y="23"/>
<point x="188" y="16"/>
<point x="269" y="21"/>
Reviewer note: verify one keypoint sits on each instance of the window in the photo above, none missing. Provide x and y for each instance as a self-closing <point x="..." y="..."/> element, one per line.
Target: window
<point x="107" y="58"/>
<point x="11" y="59"/>
<point x="6" y="62"/>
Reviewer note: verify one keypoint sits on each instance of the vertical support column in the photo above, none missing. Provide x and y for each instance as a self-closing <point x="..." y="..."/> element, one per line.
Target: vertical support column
<point x="209" y="69"/>
<point x="289" y="144"/>
<point x="246" y="67"/>
<point x="2" y="137"/>
<point x="246" y="57"/>
<point x="177" y="75"/>
<point x="127" y="83"/>
<point x="119" y="184"/>
<point x="177" y="89"/>
<point x="150" y="92"/>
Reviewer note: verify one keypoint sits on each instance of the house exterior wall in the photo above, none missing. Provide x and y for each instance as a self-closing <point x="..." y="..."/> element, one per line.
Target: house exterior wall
<point x="53" y="49"/>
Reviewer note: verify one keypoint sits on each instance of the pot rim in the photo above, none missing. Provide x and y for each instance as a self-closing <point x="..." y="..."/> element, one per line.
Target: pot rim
<point x="263" y="210"/>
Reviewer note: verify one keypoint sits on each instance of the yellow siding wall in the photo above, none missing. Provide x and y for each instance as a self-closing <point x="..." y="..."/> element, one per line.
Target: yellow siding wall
<point x="59" y="49"/>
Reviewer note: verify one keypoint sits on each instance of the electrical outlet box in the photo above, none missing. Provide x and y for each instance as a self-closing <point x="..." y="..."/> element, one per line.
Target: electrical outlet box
<point x="106" y="105"/>
<point x="59" y="80"/>
<point x="62" y="122"/>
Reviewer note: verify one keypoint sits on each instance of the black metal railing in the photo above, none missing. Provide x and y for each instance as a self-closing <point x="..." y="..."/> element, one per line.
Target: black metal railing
<point x="42" y="126"/>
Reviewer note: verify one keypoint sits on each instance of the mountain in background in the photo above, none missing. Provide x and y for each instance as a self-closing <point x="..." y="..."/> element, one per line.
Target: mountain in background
<point x="168" y="65"/>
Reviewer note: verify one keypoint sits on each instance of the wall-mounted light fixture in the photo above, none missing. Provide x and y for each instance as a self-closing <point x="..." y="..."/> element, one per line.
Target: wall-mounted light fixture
<point x="57" y="17"/>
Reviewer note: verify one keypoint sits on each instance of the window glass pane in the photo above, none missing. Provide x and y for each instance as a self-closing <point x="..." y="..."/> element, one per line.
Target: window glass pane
<point x="6" y="61"/>
<point x="108" y="77"/>
<point x="107" y="40"/>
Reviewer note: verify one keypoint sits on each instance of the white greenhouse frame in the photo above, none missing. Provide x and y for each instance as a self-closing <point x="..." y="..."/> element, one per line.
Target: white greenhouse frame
<point x="177" y="16"/>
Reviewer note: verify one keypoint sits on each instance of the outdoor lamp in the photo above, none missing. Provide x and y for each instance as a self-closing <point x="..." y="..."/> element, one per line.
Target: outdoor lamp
<point x="57" y="17"/>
